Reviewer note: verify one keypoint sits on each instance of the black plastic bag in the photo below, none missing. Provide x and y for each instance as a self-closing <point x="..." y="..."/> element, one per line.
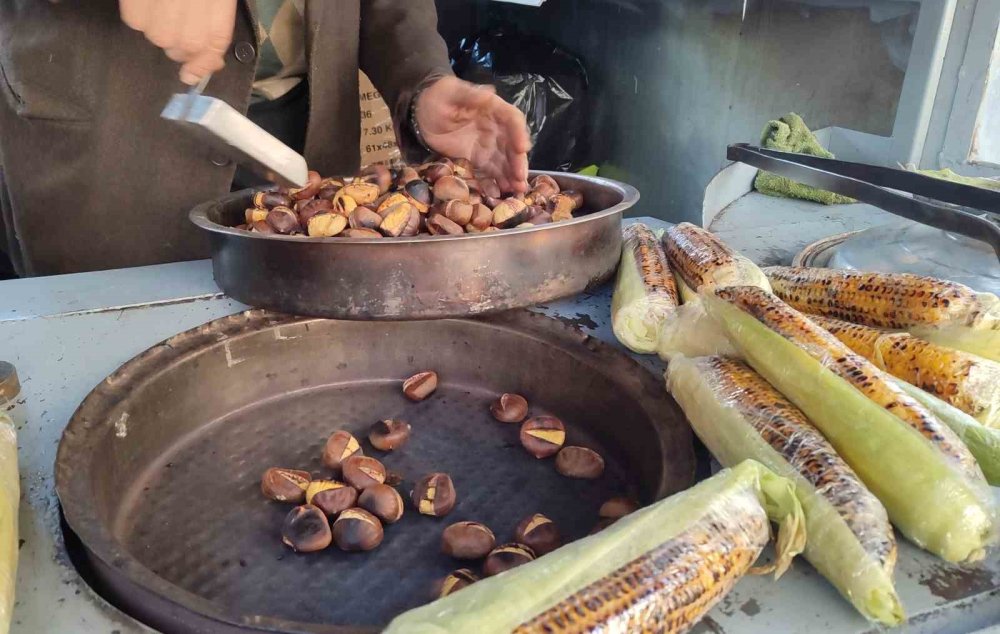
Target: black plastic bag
<point x="547" y="83"/>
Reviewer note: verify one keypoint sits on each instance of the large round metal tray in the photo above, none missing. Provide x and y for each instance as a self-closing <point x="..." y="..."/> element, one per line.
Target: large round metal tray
<point x="158" y="470"/>
<point x="422" y="277"/>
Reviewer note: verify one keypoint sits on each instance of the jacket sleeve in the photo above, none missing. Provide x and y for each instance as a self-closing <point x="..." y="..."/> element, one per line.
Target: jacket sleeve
<point x="401" y="51"/>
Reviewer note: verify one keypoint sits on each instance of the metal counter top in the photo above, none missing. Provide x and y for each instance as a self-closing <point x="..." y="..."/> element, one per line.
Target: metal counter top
<point x="66" y="333"/>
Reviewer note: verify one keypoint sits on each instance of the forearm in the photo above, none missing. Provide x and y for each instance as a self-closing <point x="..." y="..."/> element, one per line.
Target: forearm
<point x="400" y="50"/>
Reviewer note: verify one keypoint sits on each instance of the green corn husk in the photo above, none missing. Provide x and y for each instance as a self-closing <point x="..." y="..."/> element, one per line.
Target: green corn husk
<point x="935" y="498"/>
<point x="739" y="416"/>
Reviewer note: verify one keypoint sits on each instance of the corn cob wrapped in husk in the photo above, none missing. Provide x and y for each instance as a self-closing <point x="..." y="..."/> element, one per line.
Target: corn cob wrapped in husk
<point x="983" y="442"/>
<point x="645" y="292"/>
<point x="10" y="497"/>
<point x="925" y="476"/>
<point x="701" y="262"/>
<point x="946" y="313"/>
<point x="739" y="416"/>
<point x="970" y="383"/>
<point x="657" y="570"/>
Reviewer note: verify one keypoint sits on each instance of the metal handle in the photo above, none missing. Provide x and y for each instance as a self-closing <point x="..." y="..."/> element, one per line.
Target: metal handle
<point x="866" y="183"/>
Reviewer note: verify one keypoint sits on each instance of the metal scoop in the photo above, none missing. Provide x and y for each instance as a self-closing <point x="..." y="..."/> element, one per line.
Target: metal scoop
<point x="230" y="132"/>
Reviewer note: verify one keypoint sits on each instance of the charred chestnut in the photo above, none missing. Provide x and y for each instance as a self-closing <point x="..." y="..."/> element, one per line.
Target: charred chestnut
<point x="340" y="446"/>
<point x="285" y="485"/>
<point x="538" y="533"/>
<point x="331" y="496"/>
<point x="434" y="494"/>
<point x="579" y="462"/>
<point x="382" y="501"/>
<point x="389" y="434"/>
<point x="362" y="472"/>
<point x="306" y="529"/>
<point x="503" y="558"/>
<point x="357" y="530"/>
<point x="467" y="540"/>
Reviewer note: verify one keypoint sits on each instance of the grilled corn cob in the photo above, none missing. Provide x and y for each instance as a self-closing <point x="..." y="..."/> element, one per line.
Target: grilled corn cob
<point x="702" y="261"/>
<point x="945" y="313"/>
<point x="645" y="292"/>
<point x="738" y="415"/>
<point x="923" y="474"/>
<point x="983" y="442"/>
<point x="970" y="383"/>
<point x="656" y="570"/>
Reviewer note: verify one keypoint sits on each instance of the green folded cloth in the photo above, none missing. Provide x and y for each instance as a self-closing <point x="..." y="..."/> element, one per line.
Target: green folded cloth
<point x="790" y="134"/>
<point x="948" y="175"/>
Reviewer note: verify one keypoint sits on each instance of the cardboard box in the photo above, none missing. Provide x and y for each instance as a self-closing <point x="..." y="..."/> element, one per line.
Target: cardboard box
<point x="378" y="139"/>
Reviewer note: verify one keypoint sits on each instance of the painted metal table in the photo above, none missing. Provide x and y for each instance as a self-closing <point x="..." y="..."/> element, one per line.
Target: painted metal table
<point x="66" y="333"/>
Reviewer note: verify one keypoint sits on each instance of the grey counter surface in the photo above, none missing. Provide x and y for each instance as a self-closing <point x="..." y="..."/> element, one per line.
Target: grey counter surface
<point x="65" y="334"/>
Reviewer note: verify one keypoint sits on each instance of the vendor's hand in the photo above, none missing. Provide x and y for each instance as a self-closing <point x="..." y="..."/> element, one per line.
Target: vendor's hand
<point x="195" y="33"/>
<point x="464" y="120"/>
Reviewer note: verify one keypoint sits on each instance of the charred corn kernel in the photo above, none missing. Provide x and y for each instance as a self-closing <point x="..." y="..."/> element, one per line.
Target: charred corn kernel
<point x="923" y="474"/>
<point x="704" y="262"/>
<point x="738" y="415"/>
<point x="658" y="569"/>
<point x="946" y="313"/>
<point x="968" y="382"/>
<point x="645" y="292"/>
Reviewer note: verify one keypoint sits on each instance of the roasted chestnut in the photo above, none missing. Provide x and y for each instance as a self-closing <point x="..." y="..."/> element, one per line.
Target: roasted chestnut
<point x="538" y="533"/>
<point x="283" y="220"/>
<point x="261" y="226"/>
<point x="467" y="540"/>
<point x="543" y="436"/>
<point x="390" y="201"/>
<point x="361" y="192"/>
<point x="255" y="214"/>
<point x="509" y="213"/>
<point x="458" y="211"/>
<point x="482" y="217"/>
<point x="489" y="188"/>
<point x="420" y="385"/>
<point x="285" y="485"/>
<point x="455" y="582"/>
<point x="393" y="479"/>
<point x="463" y="168"/>
<point x="306" y="529"/>
<point x="331" y="496"/>
<point x="382" y="501"/>
<point x="451" y="188"/>
<point x="311" y="188"/>
<point x="406" y="174"/>
<point x="378" y="174"/>
<point x="389" y="434"/>
<point x="503" y="558"/>
<point x="364" y="218"/>
<point x="544" y="186"/>
<point x="357" y="530"/>
<point x="340" y="446"/>
<point x="509" y="408"/>
<point x="432" y="172"/>
<point x="418" y="194"/>
<point x="400" y="220"/>
<point x="440" y="225"/>
<point x="434" y="494"/>
<point x="271" y="199"/>
<point x="326" y="225"/>
<point x="579" y="462"/>
<point x="343" y="204"/>
<point x="362" y="472"/>
<point x="306" y="209"/>
<point x="616" y="508"/>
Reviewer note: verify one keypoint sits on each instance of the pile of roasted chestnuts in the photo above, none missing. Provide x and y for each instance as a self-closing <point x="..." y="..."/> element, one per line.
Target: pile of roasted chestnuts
<point x="352" y="508"/>
<point x="441" y="197"/>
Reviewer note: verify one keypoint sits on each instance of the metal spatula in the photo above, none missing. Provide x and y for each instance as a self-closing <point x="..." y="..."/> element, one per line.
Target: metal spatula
<point x="230" y="132"/>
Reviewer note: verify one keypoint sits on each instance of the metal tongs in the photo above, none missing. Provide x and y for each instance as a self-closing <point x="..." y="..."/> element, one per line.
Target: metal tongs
<point x="222" y="126"/>
<point x="872" y="184"/>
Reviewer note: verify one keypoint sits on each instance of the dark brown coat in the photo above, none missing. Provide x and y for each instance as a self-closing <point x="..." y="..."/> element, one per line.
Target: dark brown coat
<point x="93" y="178"/>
